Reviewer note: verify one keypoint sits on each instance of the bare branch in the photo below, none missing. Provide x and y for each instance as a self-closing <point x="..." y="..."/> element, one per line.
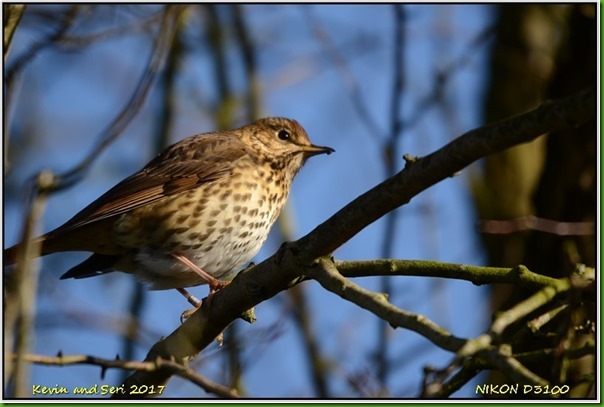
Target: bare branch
<point x="12" y="17"/>
<point x="437" y="386"/>
<point x="295" y="260"/>
<point x="531" y="222"/>
<point x="443" y="77"/>
<point x="511" y="367"/>
<point x="577" y="281"/>
<point x="79" y="41"/>
<point x="248" y="54"/>
<point x="439" y="390"/>
<point x="329" y="277"/>
<point x="478" y="275"/>
<point x="389" y="149"/>
<point x="64" y="25"/>
<point x="445" y="162"/>
<point x="133" y="106"/>
<point x="484" y="347"/>
<point x="158" y="364"/>
<point x="302" y="317"/>
<point x="13" y="14"/>
<point x="522" y="309"/>
<point x="587" y="349"/>
<point x="340" y="63"/>
<point x="22" y="283"/>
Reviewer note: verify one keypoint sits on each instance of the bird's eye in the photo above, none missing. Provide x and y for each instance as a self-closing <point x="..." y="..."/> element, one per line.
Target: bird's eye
<point x="283" y="135"/>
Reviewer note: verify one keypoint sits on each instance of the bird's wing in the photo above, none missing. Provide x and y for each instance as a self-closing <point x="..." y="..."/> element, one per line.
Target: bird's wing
<point x="182" y="167"/>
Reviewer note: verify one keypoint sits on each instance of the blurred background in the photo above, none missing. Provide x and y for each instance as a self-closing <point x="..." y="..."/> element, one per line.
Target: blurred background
<point x="373" y="82"/>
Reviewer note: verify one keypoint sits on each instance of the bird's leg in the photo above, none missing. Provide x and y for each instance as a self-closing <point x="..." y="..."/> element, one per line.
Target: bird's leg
<point x="213" y="283"/>
<point x="194" y="301"/>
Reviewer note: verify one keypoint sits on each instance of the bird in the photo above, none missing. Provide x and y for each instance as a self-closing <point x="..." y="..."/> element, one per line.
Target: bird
<point x="195" y="214"/>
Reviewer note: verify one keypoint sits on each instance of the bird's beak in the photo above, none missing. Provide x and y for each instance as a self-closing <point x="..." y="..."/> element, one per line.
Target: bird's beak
<point x="315" y="150"/>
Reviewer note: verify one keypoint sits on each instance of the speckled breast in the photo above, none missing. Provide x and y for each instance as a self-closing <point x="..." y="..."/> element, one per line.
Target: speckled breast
<point x="220" y="226"/>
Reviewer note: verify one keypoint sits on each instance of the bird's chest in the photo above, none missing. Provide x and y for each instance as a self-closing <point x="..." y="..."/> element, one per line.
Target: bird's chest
<point x="220" y="226"/>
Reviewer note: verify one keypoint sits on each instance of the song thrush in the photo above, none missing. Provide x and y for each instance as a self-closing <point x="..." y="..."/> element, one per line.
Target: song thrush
<point x="197" y="212"/>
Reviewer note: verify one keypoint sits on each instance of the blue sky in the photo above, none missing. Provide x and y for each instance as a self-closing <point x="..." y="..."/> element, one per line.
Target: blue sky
<point x="66" y="98"/>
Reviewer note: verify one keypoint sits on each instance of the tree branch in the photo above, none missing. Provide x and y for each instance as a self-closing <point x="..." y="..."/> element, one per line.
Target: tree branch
<point x="330" y="278"/>
<point x="424" y="172"/>
<point x="522" y="309"/>
<point x="21" y="289"/>
<point x="294" y="261"/>
<point x="478" y="275"/>
<point x="488" y="346"/>
<point x="137" y="100"/>
<point x="150" y="366"/>
<point x="511" y="367"/>
<point x="12" y="17"/>
<point x="440" y="390"/>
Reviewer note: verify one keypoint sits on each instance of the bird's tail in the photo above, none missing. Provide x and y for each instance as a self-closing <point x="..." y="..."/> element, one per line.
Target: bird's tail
<point x="10" y="255"/>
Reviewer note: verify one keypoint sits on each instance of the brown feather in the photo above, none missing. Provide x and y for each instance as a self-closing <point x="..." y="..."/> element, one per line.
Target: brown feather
<point x="183" y="166"/>
<point x="160" y="178"/>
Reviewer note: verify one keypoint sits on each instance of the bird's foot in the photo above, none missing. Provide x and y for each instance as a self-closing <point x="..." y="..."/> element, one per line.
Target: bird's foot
<point x="194" y="301"/>
<point x="215" y="286"/>
<point x="186" y="314"/>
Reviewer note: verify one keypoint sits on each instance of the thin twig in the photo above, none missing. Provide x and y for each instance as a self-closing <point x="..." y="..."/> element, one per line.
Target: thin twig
<point x="302" y="317"/>
<point x="514" y="370"/>
<point x="438" y="390"/>
<point x="339" y="61"/>
<point x="445" y="75"/>
<point x="483" y="345"/>
<point x="539" y="299"/>
<point x="531" y="222"/>
<point x="64" y="25"/>
<point x="72" y="42"/>
<point x="16" y="67"/>
<point x="136" y="102"/>
<point x="522" y="309"/>
<point x="588" y="348"/>
<point x="253" y="100"/>
<point x="149" y="366"/>
<point x="389" y="150"/>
